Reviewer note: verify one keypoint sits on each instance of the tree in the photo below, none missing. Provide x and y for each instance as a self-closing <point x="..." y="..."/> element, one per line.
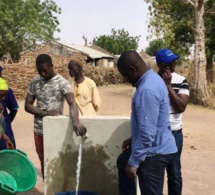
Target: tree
<point x="23" y="22"/>
<point x="155" y="45"/>
<point x="173" y="25"/>
<point x="182" y="29"/>
<point x="117" y="42"/>
<point x="210" y="41"/>
<point x="180" y="34"/>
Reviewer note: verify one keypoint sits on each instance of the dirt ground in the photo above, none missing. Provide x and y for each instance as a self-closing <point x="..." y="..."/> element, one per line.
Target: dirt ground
<point x="198" y="156"/>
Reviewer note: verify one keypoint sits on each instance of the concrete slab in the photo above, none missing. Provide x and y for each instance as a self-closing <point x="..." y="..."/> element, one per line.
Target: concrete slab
<point x="99" y="153"/>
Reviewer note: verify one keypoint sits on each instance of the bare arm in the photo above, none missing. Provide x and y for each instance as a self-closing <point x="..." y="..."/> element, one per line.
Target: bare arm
<point x="30" y="108"/>
<point x="7" y="140"/>
<point x="178" y="101"/>
<point x="73" y="111"/>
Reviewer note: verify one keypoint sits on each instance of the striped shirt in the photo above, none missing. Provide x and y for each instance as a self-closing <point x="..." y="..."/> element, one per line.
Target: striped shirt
<point x="181" y="86"/>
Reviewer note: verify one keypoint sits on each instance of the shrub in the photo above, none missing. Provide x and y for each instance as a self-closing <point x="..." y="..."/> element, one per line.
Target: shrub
<point x="103" y="75"/>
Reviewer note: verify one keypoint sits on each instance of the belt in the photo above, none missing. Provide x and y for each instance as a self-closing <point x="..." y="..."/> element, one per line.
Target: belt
<point x="177" y="131"/>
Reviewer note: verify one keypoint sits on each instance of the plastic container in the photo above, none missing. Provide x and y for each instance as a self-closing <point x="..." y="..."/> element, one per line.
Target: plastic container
<point x="17" y="173"/>
<point x="74" y="192"/>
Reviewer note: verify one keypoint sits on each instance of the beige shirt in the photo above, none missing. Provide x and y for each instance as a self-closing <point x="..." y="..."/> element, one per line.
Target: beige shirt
<point x="87" y="97"/>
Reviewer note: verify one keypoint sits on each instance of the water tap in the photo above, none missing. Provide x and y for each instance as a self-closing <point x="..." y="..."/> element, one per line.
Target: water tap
<point x="84" y="137"/>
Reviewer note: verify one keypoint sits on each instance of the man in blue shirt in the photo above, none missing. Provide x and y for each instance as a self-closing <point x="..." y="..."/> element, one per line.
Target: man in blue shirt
<point x="152" y="145"/>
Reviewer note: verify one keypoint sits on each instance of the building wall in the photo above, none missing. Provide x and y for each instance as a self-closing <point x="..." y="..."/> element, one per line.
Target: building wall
<point x="105" y="62"/>
<point x="60" y="54"/>
<point x="111" y="64"/>
<point x="20" y="74"/>
<point x="99" y="154"/>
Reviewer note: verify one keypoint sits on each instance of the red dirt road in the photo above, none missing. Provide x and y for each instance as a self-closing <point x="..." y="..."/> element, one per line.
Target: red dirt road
<point x="198" y="156"/>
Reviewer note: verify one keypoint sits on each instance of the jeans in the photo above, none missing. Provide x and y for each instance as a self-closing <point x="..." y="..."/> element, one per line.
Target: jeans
<point x="150" y="174"/>
<point x="174" y="167"/>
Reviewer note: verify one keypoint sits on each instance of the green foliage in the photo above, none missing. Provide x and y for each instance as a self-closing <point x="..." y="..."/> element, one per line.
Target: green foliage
<point x="117" y="42"/>
<point x="174" y="22"/>
<point x="23" y="22"/>
<point x="155" y="45"/>
<point x="210" y="29"/>
<point x="179" y="23"/>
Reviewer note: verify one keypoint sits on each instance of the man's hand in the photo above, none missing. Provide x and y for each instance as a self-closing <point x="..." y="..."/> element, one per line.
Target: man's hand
<point x="53" y="112"/>
<point x="8" y="142"/>
<point x="79" y="129"/>
<point x="130" y="171"/>
<point x="126" y="144"/>
<point x="167" y="76"/>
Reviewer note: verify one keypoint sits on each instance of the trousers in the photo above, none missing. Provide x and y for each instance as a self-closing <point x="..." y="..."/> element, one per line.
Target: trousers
<point x="150" y="174"/>
<point x="174" y="168"/>
<point x="39" y="149"/>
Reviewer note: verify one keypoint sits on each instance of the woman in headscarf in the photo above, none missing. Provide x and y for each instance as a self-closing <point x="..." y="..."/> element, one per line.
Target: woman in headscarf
<point x="10" y="110"/>
<point x="3" y="92"/>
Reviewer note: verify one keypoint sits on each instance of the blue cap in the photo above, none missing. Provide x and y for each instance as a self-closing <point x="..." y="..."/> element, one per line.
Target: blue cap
<point x="165" y="56"/>
<point x="1" y="68"/>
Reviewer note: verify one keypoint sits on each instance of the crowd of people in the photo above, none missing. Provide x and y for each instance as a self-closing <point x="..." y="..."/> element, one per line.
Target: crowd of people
<point x="156" y="140"/>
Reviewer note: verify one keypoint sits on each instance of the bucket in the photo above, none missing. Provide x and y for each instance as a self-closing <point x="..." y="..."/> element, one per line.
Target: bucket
<point x="74" y="192"/>
<point x="17" y="173"/>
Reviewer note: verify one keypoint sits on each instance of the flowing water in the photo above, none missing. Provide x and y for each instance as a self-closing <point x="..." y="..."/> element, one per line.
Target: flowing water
<point x="78" y="170"/>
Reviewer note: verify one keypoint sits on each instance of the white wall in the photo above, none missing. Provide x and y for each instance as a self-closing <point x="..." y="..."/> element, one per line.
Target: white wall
<point x="100" y="151"/>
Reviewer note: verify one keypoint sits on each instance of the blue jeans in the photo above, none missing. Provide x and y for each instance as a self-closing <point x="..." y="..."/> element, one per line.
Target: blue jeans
<point x="174" y="167"/>
<point x="150" y="174"/>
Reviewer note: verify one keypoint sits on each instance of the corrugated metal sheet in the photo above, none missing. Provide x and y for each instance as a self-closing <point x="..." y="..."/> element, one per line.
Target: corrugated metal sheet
<point x="92" y="53"/>
<point x="89" y="51"/>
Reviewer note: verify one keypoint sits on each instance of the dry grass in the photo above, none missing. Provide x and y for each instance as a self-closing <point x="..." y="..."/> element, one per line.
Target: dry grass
<point x="20" y="76"/>
<point x="103" y="76"/>
<point x="210" y="103"/>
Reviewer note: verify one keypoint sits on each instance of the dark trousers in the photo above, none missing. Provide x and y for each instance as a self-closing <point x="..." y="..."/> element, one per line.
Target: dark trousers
<point x="174" y="167"/>
<point x="150" y="174"/>
<point x="40" y="151"/>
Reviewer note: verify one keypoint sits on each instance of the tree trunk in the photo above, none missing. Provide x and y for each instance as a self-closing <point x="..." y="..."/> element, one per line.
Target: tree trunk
<point x="210" y="69"/>
<point x="199" y="89"/>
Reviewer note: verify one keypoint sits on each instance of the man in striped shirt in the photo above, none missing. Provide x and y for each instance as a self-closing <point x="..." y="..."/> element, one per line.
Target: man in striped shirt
<point x="178" y="88"/>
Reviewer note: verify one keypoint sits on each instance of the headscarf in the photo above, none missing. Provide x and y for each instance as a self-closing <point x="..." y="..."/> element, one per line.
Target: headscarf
<point x="3" y="85"/>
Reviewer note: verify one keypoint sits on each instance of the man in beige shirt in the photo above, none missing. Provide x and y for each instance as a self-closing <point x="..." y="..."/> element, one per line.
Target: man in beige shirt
<point x="84" y="89"/>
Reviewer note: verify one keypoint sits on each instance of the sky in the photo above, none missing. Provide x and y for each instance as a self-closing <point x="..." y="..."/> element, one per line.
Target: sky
<point x="93" y="18"/>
